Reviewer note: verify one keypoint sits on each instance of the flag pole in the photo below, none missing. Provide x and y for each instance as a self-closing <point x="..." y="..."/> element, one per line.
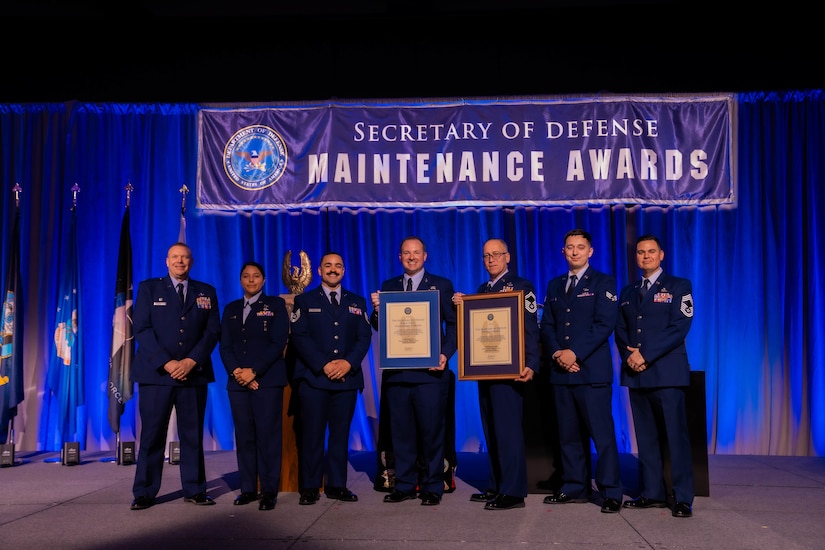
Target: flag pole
<point x="10" y="433"/>
<point x="119" y="451"/>
<point x="120" y="385"/>
<point x="182" y="233"/>
<point x="65" y="372"/>
<point x="172" y="430"/>
<point x="16" y="189"/>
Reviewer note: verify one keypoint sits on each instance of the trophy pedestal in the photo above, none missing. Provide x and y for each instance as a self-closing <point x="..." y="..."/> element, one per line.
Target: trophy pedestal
<point x="289" y="452"/>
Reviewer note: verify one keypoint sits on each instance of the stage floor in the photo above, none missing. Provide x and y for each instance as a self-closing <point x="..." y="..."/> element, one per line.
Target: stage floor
<point x="755" y="502"/>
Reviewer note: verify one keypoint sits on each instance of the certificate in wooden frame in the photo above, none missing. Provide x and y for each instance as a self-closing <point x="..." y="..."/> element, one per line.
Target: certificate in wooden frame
<point x="491" y="336"/>
<point x="409" y="331"/>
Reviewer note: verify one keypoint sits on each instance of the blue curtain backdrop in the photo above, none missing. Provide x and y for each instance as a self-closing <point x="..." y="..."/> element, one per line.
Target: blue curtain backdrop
<point x="756" y="268"/>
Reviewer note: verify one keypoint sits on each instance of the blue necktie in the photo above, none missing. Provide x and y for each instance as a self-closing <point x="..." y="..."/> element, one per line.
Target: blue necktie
<point x="571" y="286"/>
<point x="643" y="291"/>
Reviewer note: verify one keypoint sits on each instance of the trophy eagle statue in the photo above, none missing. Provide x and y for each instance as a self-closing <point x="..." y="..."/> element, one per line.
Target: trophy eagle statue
<point x="296" y="278"/>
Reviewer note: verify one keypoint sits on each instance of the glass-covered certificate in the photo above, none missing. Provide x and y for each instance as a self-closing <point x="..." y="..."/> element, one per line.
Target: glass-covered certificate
<point x="491" y="336"/>
<point x="409" y="329"/>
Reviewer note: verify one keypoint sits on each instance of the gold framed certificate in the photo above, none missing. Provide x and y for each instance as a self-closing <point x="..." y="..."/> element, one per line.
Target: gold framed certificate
<point x="491" y="336"/>
<point x="409" y="329"/>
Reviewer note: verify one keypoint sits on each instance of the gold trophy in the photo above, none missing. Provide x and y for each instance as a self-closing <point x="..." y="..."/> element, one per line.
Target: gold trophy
<point x="295" y="278"/>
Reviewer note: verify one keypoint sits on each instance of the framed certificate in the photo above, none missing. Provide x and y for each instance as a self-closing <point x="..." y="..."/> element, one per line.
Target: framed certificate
<point x="491" y="336"/>
<point x="409" y="330"/>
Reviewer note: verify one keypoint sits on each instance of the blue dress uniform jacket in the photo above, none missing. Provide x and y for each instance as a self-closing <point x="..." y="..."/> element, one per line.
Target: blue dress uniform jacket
<point x="257" y="343"/>
<point x="321" y="333"/>
<point x="658" y="326"/>
<point x="165" y="330"/>
<point x="502" y="401"/>
<point x="584" y="323"/>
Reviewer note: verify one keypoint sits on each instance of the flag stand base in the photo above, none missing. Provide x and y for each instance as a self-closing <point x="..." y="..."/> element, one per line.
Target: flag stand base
<point x="174" y="452"/>
<point x="127" y="453"/>
<point x="71" y="454"/>
<point x="6" y="455"/>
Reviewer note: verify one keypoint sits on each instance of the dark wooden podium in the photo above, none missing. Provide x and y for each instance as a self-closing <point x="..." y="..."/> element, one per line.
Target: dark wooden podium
<point x="541" y="437"/>
<point x="698" y="428"/>
<point x="289" y="451"/>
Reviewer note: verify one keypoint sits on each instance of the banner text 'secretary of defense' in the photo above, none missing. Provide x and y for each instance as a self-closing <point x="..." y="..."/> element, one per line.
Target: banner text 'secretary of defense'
<point x="618" y="150"/>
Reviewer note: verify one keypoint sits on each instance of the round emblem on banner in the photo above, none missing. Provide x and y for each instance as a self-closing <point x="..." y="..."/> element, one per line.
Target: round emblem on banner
<point x="255" y="157"/>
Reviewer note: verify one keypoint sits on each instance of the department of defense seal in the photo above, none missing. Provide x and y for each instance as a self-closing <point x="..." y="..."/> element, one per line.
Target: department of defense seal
<point x="255" y="157"/>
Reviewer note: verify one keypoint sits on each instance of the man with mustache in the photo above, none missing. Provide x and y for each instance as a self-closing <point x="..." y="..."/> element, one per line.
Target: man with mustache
<point x="330" y="336"/>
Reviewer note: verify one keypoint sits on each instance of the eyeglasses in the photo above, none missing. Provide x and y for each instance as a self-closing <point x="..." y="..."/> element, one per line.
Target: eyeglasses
<point x="494" y="255"/>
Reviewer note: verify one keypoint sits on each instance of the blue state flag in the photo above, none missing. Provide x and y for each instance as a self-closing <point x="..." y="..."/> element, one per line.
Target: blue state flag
<point x="65" y="376"/>
<point x="123" y="341"/>
<point x="11" y="358"/>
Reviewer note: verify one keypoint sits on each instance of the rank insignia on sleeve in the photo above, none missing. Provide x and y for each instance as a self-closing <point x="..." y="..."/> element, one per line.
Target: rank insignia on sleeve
<point x="296" y="315"/>
<point x="686" y="307"/>
<point x="530" y="303"/>
<point x="610" y="296"/>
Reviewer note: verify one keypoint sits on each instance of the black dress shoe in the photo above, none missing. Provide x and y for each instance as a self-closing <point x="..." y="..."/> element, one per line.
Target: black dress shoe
<point x="429" y="499"/>
<point x="563" y="498"/>
<point x="483" y="497"/>
<point x="245" y="498"/>
<point x="309" y="496"/>
<point x="611" y="506"/>
<point x="682" y="510"/>
<point x="142" y="503"/>
<point x="268" y="501"/>
<point x="201" y="499"/>
<point x="341" y="493"/>
<point x="643" y="502"/>
<point x="398" y="496"/>
<point x="504" y="502"/>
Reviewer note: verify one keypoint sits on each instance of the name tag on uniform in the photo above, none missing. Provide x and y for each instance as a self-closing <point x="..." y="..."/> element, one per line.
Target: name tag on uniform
<point x="159" y="303"/>
<point x="314" y="310"/>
